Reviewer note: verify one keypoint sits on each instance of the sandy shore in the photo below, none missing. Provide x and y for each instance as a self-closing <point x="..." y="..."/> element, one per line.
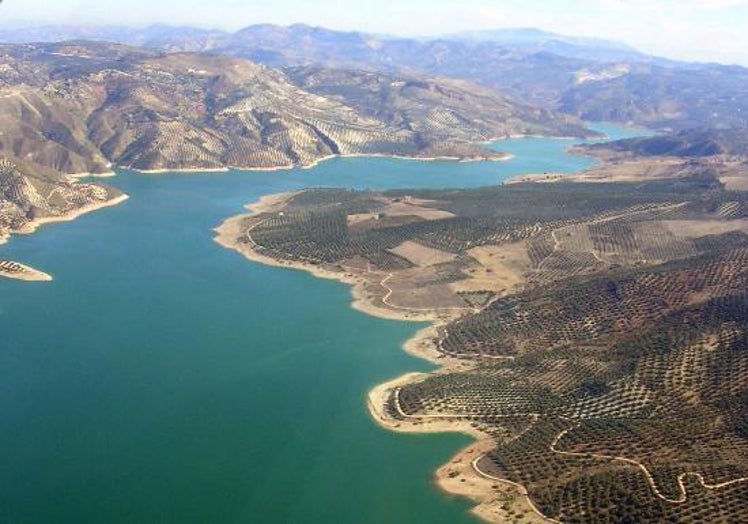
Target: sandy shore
<point x="231" y="229"/>
<point x="496" y="500"/>
<point x="536" y="178"/>
<point x="181" y="170"/>
<point x="32" y="226"/>
<point x="77" y="176"/>
<point x="30" y="274"/>
<point x="500" y="157"/>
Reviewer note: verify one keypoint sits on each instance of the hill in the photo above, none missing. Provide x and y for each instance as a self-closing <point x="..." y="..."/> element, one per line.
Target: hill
<point x="690" y="143"/>
<point x="592" y="336"/>
<point x="79" y="106"/>
<point x="30" y="196"/>
<point x="589" y="78"/>
<point x="441" y="108"/>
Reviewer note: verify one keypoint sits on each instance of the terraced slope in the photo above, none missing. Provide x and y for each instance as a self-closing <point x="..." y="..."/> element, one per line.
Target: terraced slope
<point x="593" y="79"/>
<point x="77" y="107"/>
<point x="593" y="335"/>
<point x="29" y="196"/>
<point x="434" y="108"/>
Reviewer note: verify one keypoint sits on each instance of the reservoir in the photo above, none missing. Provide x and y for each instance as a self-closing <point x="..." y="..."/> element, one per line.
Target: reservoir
<point x="163" y="379"/>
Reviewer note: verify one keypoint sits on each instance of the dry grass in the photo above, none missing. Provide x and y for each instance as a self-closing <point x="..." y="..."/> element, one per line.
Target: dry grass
<point x="360" y="218"/>
<point x="632" y="171"/>
<point x="700" y="228"/>
<point x="500" y="269"/>
<point x="421" y="255"/>
<point x="407" y="208"/>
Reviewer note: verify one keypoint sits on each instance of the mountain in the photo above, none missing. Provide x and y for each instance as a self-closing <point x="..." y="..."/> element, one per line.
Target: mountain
<point x="691" y="143"/>
<point x="81" y="106"/>
<point x="594" y="80"/>
<point x="30" y="194"/>
<point x="707" y="95"/>
<point x="534" y="40"/>
<point x="160" y="36"/>
<point x="588" y="78"/>
<point x="443" y="109"/>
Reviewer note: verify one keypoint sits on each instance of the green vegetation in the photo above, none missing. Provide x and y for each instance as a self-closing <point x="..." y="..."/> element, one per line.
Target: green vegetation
<point x="614" y="379"/>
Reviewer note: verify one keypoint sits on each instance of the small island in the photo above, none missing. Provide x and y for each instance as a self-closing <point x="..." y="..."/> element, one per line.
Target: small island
<point x="17" y="271"/>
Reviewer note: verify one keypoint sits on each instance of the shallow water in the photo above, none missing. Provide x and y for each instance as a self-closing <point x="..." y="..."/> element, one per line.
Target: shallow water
<point x="161" y="378"/>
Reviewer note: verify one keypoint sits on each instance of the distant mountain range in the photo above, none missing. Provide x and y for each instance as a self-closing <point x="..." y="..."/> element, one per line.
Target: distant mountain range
<point x="195" y="39"/>
<point x="589" y="78"/>
<point x="534" y="40"/>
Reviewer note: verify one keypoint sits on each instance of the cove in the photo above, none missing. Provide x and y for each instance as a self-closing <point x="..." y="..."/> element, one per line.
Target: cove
<point x="161" y="378"/>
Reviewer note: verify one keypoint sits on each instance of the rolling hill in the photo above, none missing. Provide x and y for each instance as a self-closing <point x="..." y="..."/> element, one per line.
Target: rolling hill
<point x="81" y="106"/>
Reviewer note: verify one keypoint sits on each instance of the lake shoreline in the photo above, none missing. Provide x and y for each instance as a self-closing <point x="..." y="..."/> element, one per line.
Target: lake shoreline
<point x="456" y="477"/>
<point x="498" y="157"/>
<point x="29" y="274"/>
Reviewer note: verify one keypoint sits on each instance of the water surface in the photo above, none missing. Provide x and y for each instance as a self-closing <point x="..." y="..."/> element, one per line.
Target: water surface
<point x="161" y="378"/>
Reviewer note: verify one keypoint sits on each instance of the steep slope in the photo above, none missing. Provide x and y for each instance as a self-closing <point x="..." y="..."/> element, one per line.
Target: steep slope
<point x="195" y="111"/>
<point x="31" y="195"/>
<point x="691" y="143"/>
<point x="592" y="79"/>
<point x="436" y="109"/>
<point x="595" y="80"/>
<point x="594" y="83"/>
<point x="706" y="95"/>
<point x="79" y="106"/>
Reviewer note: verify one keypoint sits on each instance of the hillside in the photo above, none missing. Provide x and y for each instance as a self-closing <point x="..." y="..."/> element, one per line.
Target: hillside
<point x="30" y="196"/>
<point x="579" y="78"/>
<point x="591" y="336"/>
<point x="77" y="107"/>
<point x="691" y="143"/>
<point x="592" y="79"/>
<point x="715" y="152"/>
<point x="441" y="108"/>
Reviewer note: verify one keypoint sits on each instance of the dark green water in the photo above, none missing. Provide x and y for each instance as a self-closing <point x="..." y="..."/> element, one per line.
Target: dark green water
<point x="162" y="379"/>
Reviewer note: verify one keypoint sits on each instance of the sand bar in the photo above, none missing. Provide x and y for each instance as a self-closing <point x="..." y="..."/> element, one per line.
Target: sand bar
<point x="18" y="271"/>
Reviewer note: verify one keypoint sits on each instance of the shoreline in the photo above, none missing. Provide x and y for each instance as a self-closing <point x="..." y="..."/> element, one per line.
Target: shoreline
<point x="226" y="232"/>
<point x="30" y="274"/>
<point x="458" y="476"/>
<point x="500" y="157"/>
<point x="74" y="177"/>
<point x="36" y="223"/>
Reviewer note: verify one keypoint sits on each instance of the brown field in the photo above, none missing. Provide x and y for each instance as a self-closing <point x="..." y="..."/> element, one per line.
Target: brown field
<point x="591" y="337"/>
<point x="500" y="269"/>
<point x="421" y="255"/>
<point x="407" y="208"/>
<point x="700" y="228"/>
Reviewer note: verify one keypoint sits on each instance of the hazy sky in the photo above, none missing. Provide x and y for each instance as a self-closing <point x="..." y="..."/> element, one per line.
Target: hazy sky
<point x="691" y="29"/>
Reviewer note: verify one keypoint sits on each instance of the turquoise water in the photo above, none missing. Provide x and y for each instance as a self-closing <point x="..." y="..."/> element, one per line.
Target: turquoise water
<point x="161" y="378"/>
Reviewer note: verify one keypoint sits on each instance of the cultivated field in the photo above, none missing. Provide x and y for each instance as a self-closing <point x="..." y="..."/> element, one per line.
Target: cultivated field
<point x="594" y="334"/>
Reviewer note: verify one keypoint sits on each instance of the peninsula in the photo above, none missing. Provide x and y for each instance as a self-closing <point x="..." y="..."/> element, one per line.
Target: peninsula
<point x="31" y="197"/>
<point x="580" y="326"/>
